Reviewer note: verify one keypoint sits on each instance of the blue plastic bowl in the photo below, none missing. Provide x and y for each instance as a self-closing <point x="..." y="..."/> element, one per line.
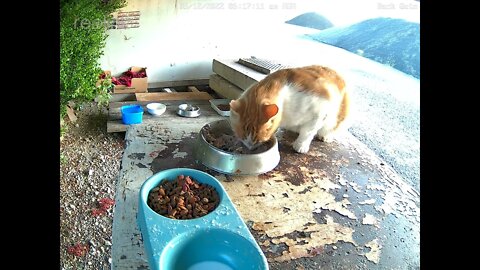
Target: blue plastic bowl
<point x="212" y="249"/>
<point x="219" y="240"/>
<point x="131" y="114"/>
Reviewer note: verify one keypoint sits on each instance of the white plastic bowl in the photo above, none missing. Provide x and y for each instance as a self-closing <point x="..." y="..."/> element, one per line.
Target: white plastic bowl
<point x="156" y="108"/>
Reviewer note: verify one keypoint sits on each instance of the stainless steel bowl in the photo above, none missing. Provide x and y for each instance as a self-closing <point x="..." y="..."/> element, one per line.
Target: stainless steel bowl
<point x="232" y="163"/>
<point x="187" y="110"/>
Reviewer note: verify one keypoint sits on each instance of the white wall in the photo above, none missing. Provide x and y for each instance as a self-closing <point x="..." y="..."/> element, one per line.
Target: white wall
<point x="177" y="40"/>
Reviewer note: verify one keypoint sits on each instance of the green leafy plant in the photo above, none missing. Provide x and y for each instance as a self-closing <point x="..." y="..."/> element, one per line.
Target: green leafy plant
<point x="104" y="89"/>
<point x="83" y="30"/>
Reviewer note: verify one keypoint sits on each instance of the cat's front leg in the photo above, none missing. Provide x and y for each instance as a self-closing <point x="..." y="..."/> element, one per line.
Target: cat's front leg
<point x="303" y="141"/>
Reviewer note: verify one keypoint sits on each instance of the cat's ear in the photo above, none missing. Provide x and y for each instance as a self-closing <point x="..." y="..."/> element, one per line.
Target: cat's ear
<point x="269" y="111"/>
<point x="235" y="105"/>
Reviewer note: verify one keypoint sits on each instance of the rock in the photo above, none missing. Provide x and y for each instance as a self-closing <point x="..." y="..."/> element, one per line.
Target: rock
<point x="92" y="160"/>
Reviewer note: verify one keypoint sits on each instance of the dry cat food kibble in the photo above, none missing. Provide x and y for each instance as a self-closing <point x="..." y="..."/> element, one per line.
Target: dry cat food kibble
<point x="183" y="198"/>
<point x="230" y="143"/>
<point x="224" y="107"/>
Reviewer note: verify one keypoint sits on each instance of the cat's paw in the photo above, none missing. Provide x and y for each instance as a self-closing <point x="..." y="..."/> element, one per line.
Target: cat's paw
<point x="301" y="148"/>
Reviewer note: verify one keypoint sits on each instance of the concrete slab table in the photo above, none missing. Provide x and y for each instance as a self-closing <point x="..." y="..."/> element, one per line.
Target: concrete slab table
<point x="337" y="207"/>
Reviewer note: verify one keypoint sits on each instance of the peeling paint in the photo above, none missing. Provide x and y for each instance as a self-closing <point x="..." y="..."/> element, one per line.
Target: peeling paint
<point x="321" y="235"/>
<point x="339" y="207"/>
<point x="369" y="201"/>
<point x="265" y="243"/>
<point x="355" y="186"/>
<point x="375" y="248"/>
<point x="269" y="216"/>
<point x="376" y="187"/>
<point x="388" y="204"/>
<point x="370" y="220"/>
<point x="177" y="154"/>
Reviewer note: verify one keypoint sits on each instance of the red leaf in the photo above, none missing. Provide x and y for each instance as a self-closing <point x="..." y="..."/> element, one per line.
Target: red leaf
<point x="78" y="250"/>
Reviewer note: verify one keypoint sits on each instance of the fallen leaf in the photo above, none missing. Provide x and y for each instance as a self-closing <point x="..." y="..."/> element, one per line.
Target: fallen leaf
<point x="71" y="114"/>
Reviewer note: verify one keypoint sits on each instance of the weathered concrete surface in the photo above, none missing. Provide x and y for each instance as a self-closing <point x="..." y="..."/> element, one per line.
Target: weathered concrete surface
<point x="337" y="207"/>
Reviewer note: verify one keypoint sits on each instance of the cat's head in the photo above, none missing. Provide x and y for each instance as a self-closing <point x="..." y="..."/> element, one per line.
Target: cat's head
<point x="254" y="122"/>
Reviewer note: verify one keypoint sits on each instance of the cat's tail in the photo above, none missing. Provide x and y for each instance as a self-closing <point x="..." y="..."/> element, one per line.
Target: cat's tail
<point x="343" y="112"/>
<point x="339" y="120"/>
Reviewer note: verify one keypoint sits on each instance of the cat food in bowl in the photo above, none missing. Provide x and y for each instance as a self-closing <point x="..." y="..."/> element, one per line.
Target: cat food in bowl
<point x="221" y="106"/>
<point x="183" y="198"/>
<point x="156" y="109"/>
<point x="218" y="149"/>
<point x="187" y="110"/>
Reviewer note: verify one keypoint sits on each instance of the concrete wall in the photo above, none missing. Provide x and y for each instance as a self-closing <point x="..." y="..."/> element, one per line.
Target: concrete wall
<point x="177" y="40"/>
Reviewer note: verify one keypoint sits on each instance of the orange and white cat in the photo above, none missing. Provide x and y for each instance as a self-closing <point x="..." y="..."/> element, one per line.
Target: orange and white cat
<point x="309" y="100"/>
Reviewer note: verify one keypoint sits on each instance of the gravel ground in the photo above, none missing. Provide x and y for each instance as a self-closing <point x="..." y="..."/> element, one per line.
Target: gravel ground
<point x="89" y="167"/>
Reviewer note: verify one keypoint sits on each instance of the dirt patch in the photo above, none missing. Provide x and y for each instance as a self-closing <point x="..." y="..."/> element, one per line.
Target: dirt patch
<point x="90" y="161"/>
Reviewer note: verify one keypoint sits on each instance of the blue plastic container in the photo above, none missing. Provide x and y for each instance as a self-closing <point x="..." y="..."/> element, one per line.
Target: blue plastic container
<point x="131" y="114"/>
<point x="219" y="240"/>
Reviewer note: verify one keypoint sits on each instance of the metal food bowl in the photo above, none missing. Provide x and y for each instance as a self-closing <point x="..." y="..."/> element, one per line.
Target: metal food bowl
<point x="187" y="110"/>
<point x="233" y="163"/>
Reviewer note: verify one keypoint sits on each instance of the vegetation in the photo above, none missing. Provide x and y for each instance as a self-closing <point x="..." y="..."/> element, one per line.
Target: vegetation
<point x="83" y="30"/>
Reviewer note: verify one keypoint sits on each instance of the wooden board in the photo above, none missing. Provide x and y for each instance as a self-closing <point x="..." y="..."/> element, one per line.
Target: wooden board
<point x="178" y="83"/>
<point x="122" y="97"/>
<point x="172" y="96"/>
<point x="128" y="90"/>
<point x="193" y="89"/>
<point x="115" y="124"/>
<point x="116" y="105"/>
<point x="115" y="114"/>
